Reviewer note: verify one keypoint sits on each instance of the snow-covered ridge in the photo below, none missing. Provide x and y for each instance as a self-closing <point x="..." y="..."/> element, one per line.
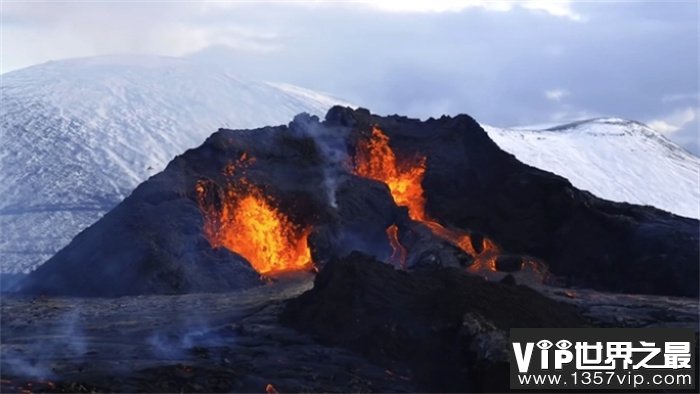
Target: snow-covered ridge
<point x="617" y="159"/>
<point x="78" y="135"/>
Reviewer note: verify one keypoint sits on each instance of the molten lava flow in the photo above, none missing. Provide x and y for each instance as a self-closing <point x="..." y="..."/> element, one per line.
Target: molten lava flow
<point x="247" y="222"/>
<point x="375" y="159"/>
<point x="270" y="389"/>
<point x="398" y="256"/>
<point x="484" y="257"/>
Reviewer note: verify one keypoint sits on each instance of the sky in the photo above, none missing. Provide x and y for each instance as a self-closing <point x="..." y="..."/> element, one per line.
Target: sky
<point x="506" y="63"/>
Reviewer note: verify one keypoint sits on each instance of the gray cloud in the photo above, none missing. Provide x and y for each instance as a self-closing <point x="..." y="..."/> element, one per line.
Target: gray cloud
<point x="633" y="60"/>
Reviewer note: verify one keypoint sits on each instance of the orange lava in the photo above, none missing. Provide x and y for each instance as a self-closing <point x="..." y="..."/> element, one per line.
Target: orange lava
<point x="398" y="256"/>
<point x="375" y="159"/>
<point x="249" y="223"/>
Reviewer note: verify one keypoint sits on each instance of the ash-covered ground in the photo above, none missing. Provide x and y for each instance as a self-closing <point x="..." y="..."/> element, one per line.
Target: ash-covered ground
<point x="220" y="342"/>
<point x="236" y="341"/>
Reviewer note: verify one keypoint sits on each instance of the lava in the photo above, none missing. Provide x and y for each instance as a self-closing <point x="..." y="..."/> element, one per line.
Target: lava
<point x="28" y="387"/>
<point x="249" y="222"/>
<point x="398" y="256"/>
<point x="375" y="159"/>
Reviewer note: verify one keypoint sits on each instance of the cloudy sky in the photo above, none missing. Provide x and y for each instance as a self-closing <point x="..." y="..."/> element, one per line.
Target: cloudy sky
<point x="506" y="63"/>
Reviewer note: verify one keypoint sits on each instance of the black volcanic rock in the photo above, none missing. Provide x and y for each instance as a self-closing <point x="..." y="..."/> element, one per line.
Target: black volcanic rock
<point x="443" y="329"/>
<point x="508" y="280"/>
<point x="150" y="243"/>
<point x="508" y="263"/>
<point x="153" y="241"/>
<point x="470" y="183"/>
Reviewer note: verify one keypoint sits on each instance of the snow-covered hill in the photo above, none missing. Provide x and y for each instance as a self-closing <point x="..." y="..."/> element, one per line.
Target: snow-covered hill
<point x="616" y="159"/>
<point x="78" y="135"/>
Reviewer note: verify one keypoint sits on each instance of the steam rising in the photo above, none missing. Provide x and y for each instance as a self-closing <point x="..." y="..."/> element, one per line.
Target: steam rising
<point x="333" y="149"/>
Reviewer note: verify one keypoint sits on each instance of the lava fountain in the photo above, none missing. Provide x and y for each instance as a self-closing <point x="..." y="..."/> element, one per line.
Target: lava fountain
<point x="375" y="159"/>
<point x="242" y="218"/>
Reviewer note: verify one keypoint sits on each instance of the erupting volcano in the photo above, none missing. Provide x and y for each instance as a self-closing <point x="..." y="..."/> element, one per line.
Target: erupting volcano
<point x="375" y="159"/>
<point x="247" y="221"/>
<point x="420" y="195"/>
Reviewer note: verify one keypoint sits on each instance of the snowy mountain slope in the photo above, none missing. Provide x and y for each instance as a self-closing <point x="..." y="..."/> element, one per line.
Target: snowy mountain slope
<point x="616" y="159"/>
<point x="78" y="135"/>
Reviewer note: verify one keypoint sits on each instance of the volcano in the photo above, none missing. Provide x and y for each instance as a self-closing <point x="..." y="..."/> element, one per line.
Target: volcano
<point x="80" y="134"/>
<point x="248" y="205"/>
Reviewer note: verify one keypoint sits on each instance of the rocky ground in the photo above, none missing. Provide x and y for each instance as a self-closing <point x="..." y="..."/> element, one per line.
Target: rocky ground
<point x="363" y="328"/>
<point x="191" y="343"/>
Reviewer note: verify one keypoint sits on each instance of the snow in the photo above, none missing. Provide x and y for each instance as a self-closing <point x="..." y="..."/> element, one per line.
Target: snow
<point x="616" y="159"/>
<point x="78" y="135"/>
